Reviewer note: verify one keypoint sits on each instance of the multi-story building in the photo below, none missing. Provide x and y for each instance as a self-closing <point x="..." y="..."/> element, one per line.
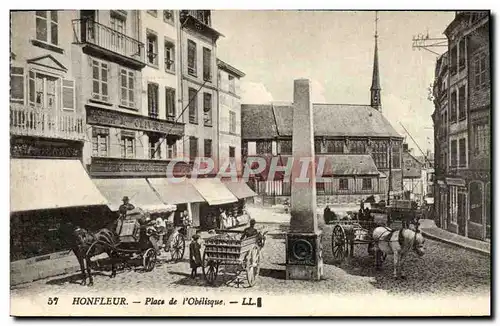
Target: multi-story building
<point x="362" y="150"/>
<point x="49" y="184"/>
<point x="229" y="113"/>
<point x="462" y="128"/>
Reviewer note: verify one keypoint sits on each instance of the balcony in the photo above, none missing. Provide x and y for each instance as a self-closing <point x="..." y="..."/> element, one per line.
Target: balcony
<point x="40" y="122"/>
<point x="105" y="41"/>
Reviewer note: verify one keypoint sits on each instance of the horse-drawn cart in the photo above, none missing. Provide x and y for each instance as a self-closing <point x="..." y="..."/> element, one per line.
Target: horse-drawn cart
<point x="226" y="249"/>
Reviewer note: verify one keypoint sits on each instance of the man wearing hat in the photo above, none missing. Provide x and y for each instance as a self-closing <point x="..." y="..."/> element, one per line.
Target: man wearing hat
<point x="195" y="255"/>
<point x="122" y="211"/>
<point x="250" y="231"/>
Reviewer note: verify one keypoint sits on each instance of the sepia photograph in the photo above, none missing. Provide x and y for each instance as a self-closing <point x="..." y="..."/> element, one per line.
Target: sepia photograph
<point x="265" y="163"/>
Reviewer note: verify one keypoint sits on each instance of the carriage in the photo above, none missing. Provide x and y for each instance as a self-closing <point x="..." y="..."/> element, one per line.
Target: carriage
<point x="226" y="249"/>
<point x="137" y="237"/>
<point x="348" y="233"/>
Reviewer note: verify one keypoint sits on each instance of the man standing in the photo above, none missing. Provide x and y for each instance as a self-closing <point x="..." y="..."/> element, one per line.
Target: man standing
<point x="249" y="231"/>
<point x="122" y="211"/>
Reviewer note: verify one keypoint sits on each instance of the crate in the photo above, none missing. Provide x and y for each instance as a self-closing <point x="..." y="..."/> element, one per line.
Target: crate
<point x="226" y="248"/>
<point x="130" y="231"/>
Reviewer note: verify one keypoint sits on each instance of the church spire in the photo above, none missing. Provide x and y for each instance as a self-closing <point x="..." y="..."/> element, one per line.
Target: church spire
<point x="375" y="89"/>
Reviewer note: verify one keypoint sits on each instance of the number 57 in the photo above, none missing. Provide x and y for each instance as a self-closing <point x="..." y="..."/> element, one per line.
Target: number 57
<point x="52" y="301"/>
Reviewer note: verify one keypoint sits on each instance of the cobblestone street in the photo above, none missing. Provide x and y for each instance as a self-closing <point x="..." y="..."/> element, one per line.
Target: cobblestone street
<point x="444" y="270"/>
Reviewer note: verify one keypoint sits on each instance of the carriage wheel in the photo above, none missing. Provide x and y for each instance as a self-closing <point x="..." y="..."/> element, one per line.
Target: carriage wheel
<point x="149" y="260"/>
<point x="252" y="265"/>
<point x="178" y="247"/>
<point x="339" y="243"/>
<point x="210" y="270"/>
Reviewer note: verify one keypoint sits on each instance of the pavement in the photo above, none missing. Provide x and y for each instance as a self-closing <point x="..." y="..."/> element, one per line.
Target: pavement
<point x="273" y="219"/>
<point x="431" y="231"/>
<point x="444" y="269"/>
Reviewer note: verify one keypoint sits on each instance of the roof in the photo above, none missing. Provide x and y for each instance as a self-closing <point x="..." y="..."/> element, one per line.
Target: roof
<point x="265" y="121"/>
<point x="227" y="67"/>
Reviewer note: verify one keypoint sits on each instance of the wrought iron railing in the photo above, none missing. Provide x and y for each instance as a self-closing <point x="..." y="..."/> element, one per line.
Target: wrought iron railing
<point x="92" y="32"/>
<point x="43" y="122"/>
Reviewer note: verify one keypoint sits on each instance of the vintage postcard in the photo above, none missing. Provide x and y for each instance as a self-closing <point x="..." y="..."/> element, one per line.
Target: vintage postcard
<point x="250" y="163"/>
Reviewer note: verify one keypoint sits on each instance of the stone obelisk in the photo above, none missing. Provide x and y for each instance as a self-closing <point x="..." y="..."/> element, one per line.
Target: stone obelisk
<point x="303" y="244"/>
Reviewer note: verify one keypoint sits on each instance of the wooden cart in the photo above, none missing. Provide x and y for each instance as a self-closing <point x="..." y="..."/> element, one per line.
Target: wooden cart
<point x="227" y="249"/>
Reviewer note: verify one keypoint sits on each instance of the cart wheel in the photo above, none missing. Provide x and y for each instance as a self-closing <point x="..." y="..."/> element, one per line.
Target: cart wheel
<point x="210" y="270"/>
<point x="252" y="265"/>
<point x="149" y="260"/>
<point x="177" y="247"/>
<point x="339" y="243"/>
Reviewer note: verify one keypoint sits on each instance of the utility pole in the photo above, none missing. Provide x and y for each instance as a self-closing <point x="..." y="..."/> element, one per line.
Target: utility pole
<point x="428" y="43"/>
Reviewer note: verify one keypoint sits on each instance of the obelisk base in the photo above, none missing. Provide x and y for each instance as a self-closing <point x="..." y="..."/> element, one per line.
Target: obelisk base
<point x="304" y="257"/>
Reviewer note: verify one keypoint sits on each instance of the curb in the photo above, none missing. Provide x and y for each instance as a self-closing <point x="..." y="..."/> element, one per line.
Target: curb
<point x="454" y="243"/>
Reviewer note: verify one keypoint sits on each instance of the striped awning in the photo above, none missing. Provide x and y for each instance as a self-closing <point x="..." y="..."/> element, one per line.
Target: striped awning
<point x="214" y="191"/>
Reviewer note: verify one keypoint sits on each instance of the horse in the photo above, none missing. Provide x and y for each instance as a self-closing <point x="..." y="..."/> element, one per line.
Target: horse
<point x="396" y="242"/>
<point x="86" y="245"/>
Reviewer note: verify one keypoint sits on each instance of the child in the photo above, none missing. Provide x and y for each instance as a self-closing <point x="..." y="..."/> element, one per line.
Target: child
<point x="194" y="255"/>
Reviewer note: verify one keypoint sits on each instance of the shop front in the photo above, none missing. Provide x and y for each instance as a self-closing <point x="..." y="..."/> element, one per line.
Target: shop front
<point x="44" y="194"/>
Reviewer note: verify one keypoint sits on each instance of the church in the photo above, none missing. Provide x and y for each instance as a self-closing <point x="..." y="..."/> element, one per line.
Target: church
<point x="361" y="149"/>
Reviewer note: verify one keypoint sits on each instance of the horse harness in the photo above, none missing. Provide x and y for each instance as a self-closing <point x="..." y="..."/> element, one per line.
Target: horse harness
<point x="400" y="236"/>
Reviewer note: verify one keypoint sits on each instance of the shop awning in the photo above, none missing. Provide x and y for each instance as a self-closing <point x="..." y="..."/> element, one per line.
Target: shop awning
<point x="214" y="191"/>
<point x="455" y="182"/>
<point x="176" y="192"/>
<point x="50" y="183"/>
<point x="239" y="188"/>
<point x="138" y="191"/>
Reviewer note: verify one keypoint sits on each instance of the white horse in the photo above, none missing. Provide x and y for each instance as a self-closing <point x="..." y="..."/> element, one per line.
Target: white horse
<point x="396" y="242"/>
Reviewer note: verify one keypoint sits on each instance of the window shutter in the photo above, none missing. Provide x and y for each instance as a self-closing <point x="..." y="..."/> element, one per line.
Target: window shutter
<point x="31" y="88"/>
<point x="17" y="85"/>
<point x="68" y="94"/>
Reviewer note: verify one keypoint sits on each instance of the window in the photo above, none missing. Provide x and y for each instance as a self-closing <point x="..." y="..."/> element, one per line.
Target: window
<point x="452" y="209"/>
<point x="170" y="103"/>
<point x="462" y="150"/>
<point x="100" y="71"/>
<point x="453" y="113"/>
<point x="168" y="16"/>
<point x="461" y="103"/>
<point x="232" y="86"/>
<point x="127" y="83"/>
<point x="127" y="144"/>
<point x="264" y="147"/>
<point x="193" y="147"/>
<point x="154" y="146"/>
<point x="153" y="100"/>
<point x="481" y="139"/>
<point x="396" y="156"/>
<point x="208" y="147"/>
<point x="100" y="141"/>
<point x="379" y="154"/>
<point x="193" y="105"/>
<point x="207" y="64"/>
<point x="169" y="56"/>
<point x="335" y="146"/>
<point x="171" y="149"/>
<point x="367" y="184"/>
<point x="232" y="122"/>
<point x="317" y="146"/>
<point x="285" y="146"/>
<point x="232" y="152"/>
<point x="320" y="188"/>
<point x="43" y="90"/>
<point x="68" y="95"/>
<point x="207" y="109"/>
<point x="480" y="70"/>
<point x="343" y="184"/>
<point x="152" y="48"/>
<point x="118" y="31"/>
<point x="47" y="26"/>
<point x="357" y="147"/>
<point x="17" y="85"/>
<point x="453" y="151"/>
<point x="191" y="58"/>
<point x="461" y="54"/>
<point x="153" y="13"/>
<point x="454" y="55"/>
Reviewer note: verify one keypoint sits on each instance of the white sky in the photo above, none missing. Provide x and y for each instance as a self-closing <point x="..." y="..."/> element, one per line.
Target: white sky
<point x="335" y="50"/>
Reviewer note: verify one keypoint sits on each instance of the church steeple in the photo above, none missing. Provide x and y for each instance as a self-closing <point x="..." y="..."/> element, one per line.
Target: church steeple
<point x="375" y="89"/>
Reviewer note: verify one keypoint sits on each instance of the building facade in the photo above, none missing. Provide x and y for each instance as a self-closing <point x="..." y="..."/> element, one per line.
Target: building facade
<point x="229" y="114"/>
<point x="462" y="127"/>
<point x="49" y="184"/>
